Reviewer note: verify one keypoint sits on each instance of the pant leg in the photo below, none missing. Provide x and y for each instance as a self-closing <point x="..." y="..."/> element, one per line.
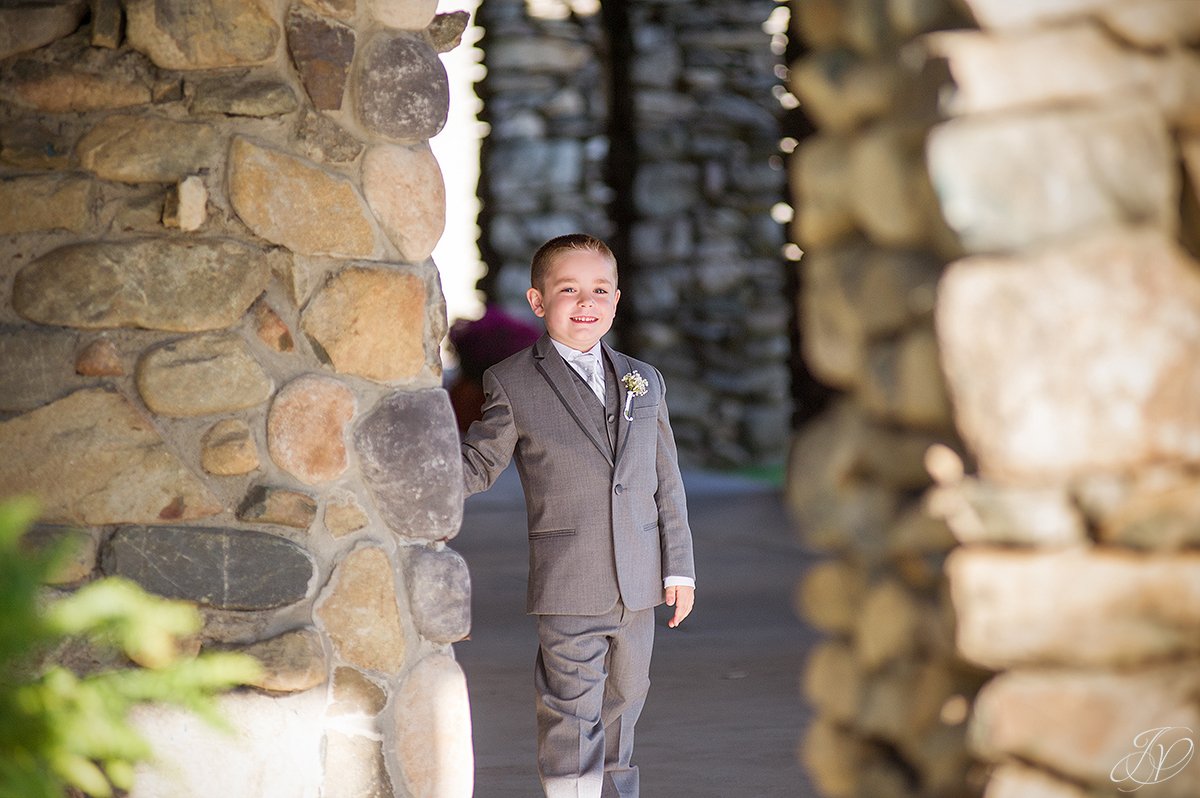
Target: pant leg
<point x="624" y="696"/>
<point x="569" y="679"/>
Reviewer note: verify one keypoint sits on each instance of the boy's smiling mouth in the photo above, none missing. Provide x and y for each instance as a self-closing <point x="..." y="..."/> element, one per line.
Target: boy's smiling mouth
<point x="585" y="319"/>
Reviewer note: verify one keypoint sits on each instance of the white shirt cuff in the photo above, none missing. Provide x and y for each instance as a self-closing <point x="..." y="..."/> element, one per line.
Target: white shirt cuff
<point x="676" y="581"/>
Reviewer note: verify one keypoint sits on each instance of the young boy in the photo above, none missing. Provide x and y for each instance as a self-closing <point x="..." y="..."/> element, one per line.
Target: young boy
<point x="608" y="530"/>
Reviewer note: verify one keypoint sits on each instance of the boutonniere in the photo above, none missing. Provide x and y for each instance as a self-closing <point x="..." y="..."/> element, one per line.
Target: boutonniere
<point x="635" y="385"/>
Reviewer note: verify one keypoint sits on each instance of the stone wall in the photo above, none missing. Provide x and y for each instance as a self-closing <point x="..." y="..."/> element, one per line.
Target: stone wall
<point x="653" y="125"/>
<point x="999" y="209"/>
<point x="220" y="332"/>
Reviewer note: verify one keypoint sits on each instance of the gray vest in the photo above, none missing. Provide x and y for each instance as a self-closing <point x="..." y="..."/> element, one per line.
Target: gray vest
<point x="603" y="418"/>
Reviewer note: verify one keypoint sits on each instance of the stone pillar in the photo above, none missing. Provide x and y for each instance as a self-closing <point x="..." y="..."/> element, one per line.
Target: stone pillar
<point x="998" y="209"/>
<point x="220" y="333"/>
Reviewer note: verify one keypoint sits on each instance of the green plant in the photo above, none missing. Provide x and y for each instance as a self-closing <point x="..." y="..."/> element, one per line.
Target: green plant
<point x="59" y="729"/>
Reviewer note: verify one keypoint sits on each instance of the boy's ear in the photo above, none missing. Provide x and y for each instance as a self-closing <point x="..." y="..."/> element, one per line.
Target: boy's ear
<point x="535" y="302"/>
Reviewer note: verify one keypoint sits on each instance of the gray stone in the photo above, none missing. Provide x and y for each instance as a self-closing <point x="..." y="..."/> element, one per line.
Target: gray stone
<point x="323" y="51"/>
<point x="182" y="285"/>
<point x="355" y="694"/>
<point x="324" y="141"/>
<point x="401" y="88"/>
<point x="106" y="23"/>
<point x="201" y="375"/>
<point x="354" y="768"/>
<point x="408" y="452"/>
<point x="1116" y="164"/>
<point x="231" y="569"/>
<point x="439" y="593"/>
<point x="141" y="149"/>
<point x="291" y="663"/>
<point x="28" y="26"/>
<point x="46" y="202"/>
<point x="37" y="366"/>
<point x="264" y="504"/>
<point x="79" y="550"/>
<point x="446" y="30"/>
<point x="259" y="98"/>
<point x="202" y="34"/>
<point x="664" y="189"/>
<point x="31" y="144"/>
<point x="92" y="459"/>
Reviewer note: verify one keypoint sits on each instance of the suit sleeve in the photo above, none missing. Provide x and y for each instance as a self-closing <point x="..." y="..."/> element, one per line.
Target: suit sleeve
<point x="674" y="532"/>
<point x="489" y="443"/>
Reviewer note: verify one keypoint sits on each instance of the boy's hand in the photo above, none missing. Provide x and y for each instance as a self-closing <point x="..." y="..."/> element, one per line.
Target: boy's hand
<point x="682" y="598"/>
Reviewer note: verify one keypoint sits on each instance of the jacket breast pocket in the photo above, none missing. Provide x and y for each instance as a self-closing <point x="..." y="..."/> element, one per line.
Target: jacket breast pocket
<point x="644" y="411"/>
<point x="650" y="527"/>
<point x="551" y="533"/>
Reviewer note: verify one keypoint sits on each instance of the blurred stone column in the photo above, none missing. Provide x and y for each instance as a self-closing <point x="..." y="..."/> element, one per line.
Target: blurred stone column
<point x="1038" y="150"/>
<point x="221" y="341"/>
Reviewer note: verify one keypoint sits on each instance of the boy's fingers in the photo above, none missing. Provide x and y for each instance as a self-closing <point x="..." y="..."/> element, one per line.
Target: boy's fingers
<point x="671" y="596"/>
<point x="686" y="599"/>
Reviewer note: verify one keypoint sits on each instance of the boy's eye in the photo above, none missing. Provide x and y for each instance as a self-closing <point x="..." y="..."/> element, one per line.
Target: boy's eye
<point x="568" y="290"/>
<point x="601" y="290"/>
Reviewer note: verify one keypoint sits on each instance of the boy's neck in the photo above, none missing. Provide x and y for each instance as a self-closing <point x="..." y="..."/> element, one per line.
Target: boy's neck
<point x="572" y="346"/>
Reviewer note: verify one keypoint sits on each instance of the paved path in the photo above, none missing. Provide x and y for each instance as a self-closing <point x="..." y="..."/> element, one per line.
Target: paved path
<point x="723" y="717"/>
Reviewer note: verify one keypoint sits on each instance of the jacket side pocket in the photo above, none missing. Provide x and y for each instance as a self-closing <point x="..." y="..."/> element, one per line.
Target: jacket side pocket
<point x="551" y="533"/>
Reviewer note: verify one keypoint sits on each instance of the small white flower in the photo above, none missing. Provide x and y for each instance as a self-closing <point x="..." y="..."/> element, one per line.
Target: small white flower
<point x="635" y="385"/>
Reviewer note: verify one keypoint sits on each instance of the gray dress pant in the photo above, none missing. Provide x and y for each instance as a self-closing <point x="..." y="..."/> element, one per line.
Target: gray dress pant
<point x="592" y="676"/>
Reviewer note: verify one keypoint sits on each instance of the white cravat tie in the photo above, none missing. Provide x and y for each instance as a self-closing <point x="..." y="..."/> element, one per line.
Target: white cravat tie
<point x="585" y="363"/>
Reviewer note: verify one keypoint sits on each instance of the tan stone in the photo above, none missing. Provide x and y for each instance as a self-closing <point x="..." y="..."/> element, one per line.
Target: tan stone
<point x="306" y="428"/>
<point x="983" y="512"/>
<point x="834" y="507"/>
<point x="34" y="144"/>
<point x="1121" y="608"/>
<point x="228" y="449"/>
<point x="100" y="358"/>
<point x="992" y="174"/>
<point x="403" y="14"/>
<point x="293" y="202"/>
<point x="92" y="459"/>
<point x="404" y="187"/>
<point x="918" y="532"/>
<point x="1052" y="67"/>
<point x="1176" y="88"/>
<point x="840" y="92"/>
<point x="271" y="329"/>
<point x="886" y="166"/>
<point x="433" y="735"/>
<point x="343" y="515"/>
<point x="201" y="375"/>
<point x="820" y="181"/>
<point x="830" y="595"/>
<point x="359" y="613"/>
<point x="833" y="682"/>
<point x="46" y="202"/>
<point x="28" y="26"/>
<point x="902" y="704"/>
<point x="1108" y="341"/>
<point x="291" y="663"/>
<point x="904" y="382"/>
<point x="1162" y="513"/>
<point x="338" y="9"/>
<point x="1018" y="14"/>
<point x="370" y="322"/>
<point x="162" y="284"/>
<point x="69" y="76"/>
<point x="265" y="504"/>
<point x="833" y="758"/>
<point x="909" y="17"/>
<point x="146" y="149"/>
<point x="887" y="625"/>
<point x="1153" y="24"/>
<point x="354" y="768"/>
<point x="186" y="206"/>
<point x="896" y="454"/>
<point x="1020" y="781"/>
<point x="106" y="23"/>
<point x="203" y="34"/>
<point x="78" y="549"/>
<point x="1083" y="724"/>
<point x="355" y="694"/>
<point x="819" y="22"/>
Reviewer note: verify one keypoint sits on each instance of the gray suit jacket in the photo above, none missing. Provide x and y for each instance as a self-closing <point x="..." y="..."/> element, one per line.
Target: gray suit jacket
<point x="603" y="523"/>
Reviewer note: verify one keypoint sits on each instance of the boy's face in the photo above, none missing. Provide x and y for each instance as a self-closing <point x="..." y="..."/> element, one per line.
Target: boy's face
<point x="579" y="299"/>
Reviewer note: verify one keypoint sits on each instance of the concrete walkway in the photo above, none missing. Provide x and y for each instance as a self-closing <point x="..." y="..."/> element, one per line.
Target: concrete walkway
<point x="724" y="715"/>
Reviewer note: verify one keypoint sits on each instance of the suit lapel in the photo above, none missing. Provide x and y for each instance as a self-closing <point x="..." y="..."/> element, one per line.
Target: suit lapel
<point x="621" y="367"/>
<point x="555" y="370"/>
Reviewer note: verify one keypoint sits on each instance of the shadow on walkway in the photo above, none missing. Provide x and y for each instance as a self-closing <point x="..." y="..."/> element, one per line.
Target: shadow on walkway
<point x="724" y="715"/>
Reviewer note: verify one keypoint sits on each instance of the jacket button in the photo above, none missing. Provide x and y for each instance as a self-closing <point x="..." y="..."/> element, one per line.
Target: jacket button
<point x="612" y="419"/>
<point x="619" y="489"/>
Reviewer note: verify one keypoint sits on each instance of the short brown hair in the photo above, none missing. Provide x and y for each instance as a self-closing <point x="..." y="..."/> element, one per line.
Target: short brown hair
<point x="543" y="259"/>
